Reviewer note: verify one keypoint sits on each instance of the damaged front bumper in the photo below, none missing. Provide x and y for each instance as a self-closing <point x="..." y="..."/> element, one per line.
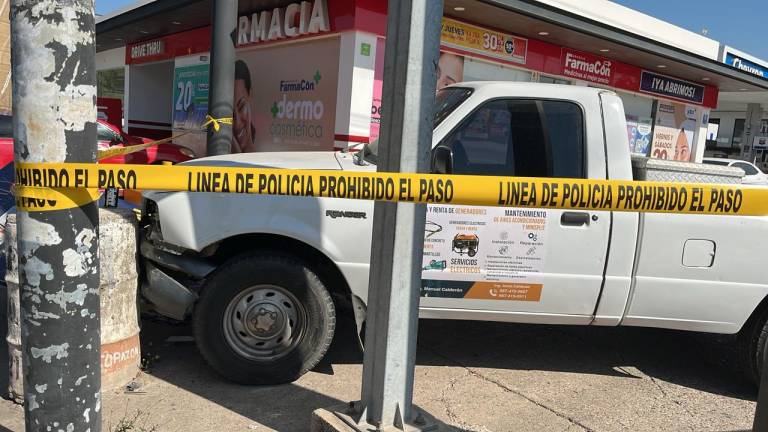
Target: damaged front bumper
<point x="170" y="275"/>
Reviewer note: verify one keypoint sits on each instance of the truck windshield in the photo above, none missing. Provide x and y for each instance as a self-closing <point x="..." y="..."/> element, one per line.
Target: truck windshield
<point x="446" y="100"/>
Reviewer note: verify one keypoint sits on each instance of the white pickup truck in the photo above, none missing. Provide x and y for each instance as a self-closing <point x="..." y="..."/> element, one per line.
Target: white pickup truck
<point x="263" y="277"/>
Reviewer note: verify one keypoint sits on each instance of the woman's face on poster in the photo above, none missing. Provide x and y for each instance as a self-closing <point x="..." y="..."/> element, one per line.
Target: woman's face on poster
<point x="682" y="148"/>
<point x="450" y="70"/>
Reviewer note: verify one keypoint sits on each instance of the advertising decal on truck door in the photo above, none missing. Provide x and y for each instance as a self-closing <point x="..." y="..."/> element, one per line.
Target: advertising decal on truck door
<point x="487" y="253"/>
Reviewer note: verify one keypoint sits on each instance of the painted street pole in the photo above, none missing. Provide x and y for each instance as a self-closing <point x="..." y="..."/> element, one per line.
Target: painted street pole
<point x="220" y="105"/>
<point x="412" y="49"/>
<point x="54" y="119"/>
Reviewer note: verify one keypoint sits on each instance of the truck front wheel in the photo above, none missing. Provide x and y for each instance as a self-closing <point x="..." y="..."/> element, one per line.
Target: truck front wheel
<point x="264" y="318"/>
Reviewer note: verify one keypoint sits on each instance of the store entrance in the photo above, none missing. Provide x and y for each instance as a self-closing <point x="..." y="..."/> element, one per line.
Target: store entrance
<point x="150" y="100"/>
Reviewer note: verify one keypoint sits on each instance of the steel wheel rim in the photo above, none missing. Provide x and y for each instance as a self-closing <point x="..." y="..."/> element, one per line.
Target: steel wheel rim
<point x="264" y="322"/>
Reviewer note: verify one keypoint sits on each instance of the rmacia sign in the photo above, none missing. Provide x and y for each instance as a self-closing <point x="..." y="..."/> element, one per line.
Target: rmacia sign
<point x="294" y="20"/>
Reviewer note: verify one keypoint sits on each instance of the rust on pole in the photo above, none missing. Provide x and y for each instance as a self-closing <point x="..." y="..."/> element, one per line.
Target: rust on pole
<point x="54" y="119"/>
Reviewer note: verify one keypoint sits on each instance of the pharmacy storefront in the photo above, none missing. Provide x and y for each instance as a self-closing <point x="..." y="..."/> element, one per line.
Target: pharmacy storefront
<point x="308" y="75"/>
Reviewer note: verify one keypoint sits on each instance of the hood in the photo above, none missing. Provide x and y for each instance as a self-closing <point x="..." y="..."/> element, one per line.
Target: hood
<point x="286" y="160"/>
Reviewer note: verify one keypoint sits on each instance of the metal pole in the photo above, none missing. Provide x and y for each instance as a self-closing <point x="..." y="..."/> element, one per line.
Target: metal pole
<point x="760" y="423"/>
<point x="54" y="118"/>
<point x="412" y="49"/>
<point x="222" y="75"/>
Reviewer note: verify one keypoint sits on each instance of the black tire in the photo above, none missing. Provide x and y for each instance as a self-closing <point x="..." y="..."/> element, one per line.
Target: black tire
<point x="472" y="252"/>
<point x="243" y="273"/>
<point x="751" y="346"/>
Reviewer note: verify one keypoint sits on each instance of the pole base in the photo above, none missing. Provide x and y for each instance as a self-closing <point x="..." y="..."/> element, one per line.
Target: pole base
<point x="352" y="418"/>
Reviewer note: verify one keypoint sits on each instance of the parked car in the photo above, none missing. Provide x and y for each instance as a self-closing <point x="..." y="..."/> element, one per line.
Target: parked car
<point x="752" y="174"/>
<point x="109" y="136"/>
<point x="262" y="277"/>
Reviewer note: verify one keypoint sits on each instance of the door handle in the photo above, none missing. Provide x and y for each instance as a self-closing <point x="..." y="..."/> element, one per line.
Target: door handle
<point x="574" y="219"/>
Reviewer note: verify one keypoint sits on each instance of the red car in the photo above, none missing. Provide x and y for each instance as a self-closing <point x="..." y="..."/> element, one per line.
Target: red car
<point x="109" y="136"/>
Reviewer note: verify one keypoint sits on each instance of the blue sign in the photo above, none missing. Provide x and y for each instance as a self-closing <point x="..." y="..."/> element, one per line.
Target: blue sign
<point x="672" y="88"/>
<point x="746" y="65"/>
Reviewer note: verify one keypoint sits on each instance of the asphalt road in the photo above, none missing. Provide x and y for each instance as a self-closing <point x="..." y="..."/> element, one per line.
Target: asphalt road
<point x="471" y="376"/>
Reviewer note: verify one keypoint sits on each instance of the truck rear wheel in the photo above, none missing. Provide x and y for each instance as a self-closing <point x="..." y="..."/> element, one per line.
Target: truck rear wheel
<point x="264" y="318"/>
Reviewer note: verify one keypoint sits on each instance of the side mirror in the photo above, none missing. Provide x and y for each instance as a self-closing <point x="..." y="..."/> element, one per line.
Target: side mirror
<point x="116" y="140"/>
<point x="442" y="160"/>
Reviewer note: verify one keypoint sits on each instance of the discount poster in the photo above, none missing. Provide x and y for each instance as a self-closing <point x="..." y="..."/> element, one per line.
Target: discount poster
<point x="471" y="39"/>
<point x="190" y="96"/>
<point x="639" y="133"/>
<point x="674" y="130"/>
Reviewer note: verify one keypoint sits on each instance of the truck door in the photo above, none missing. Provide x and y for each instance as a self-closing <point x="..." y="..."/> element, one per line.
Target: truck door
<point x="511" y="263"/>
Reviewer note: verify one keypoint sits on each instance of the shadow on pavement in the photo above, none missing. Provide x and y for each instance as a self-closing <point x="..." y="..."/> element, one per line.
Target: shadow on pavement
<point x="699" y="361"/>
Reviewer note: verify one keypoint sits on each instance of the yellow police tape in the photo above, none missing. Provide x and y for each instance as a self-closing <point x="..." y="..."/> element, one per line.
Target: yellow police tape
<point x="44" y="187"/>
<point x="217" y="122"/>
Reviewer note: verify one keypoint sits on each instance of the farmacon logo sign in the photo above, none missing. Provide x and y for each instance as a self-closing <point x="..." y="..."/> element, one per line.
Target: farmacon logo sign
<point x="301" y="115"/>
<point x="587" y="67"/>
<point x="294" y="20"/>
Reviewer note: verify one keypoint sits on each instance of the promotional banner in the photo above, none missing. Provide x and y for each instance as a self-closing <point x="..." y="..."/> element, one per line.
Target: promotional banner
<point x="674" y="131"/>
<point x="284" y="106"/>
<point x="190" y="96"/>
<point x="378" y="82"/>
<point x="482" y="41"/>
<point x="484" y="253"/>
<point x="639" y="132"/>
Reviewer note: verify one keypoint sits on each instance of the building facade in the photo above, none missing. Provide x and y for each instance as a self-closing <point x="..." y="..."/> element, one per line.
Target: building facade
<point x="308" y="74"/>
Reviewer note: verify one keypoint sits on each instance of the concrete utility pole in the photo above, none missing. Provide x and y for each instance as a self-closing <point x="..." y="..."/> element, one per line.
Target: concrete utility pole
<point x="54" y="118"/>
<point x="222" y="75"/>
<point x="412" y="49"/>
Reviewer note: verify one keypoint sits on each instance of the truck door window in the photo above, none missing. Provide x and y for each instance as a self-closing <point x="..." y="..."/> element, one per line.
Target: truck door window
<point x="526" y="138"/>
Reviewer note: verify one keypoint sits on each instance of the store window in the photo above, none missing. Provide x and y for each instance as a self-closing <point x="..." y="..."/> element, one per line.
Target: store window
<point x="738" y="131"/>
<point x="520" y="138"/>
<point x="552" y="80"/>
<point x="638" y="111"/>
<point x="111" y="83"/>
<point x="478" y="70"/>
<point x="713" y="128"/>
